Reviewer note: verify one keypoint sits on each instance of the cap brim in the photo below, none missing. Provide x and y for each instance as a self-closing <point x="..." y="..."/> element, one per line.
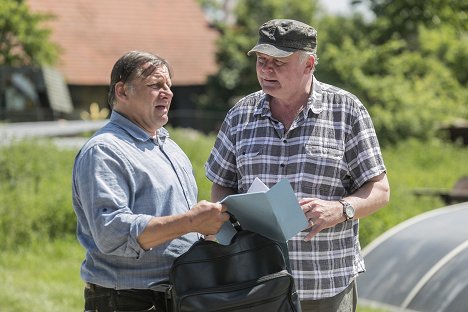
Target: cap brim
<point x="271" y="50"/>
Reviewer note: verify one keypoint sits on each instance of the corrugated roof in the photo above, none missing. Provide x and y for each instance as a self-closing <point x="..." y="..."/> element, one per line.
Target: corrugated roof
<point x="94" y="34"/>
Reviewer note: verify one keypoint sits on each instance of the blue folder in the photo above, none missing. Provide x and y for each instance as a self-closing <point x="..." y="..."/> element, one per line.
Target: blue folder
<point x="275" y="213"/>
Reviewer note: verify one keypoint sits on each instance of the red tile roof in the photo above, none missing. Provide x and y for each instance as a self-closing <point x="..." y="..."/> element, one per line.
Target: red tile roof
<point x="95" y="33"/>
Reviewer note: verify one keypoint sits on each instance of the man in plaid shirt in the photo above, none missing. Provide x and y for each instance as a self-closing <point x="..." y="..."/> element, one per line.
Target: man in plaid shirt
<point x="320" y="138"/>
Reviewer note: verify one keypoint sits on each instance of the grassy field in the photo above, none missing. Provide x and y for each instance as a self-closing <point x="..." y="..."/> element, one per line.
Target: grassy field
<point x="43" y="278"/>
<point x="46" y="277"/>
<point x="40" y="258"/>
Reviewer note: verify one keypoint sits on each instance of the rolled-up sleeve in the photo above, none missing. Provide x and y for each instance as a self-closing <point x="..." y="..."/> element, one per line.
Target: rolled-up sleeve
<point x="104" y="183"/>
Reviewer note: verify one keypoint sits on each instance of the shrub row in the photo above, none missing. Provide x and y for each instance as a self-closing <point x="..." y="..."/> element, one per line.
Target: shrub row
<point x="35" y="184"/>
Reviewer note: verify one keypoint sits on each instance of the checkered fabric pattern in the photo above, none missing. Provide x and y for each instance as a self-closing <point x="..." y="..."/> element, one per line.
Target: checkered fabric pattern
<point x="329" y="151"/>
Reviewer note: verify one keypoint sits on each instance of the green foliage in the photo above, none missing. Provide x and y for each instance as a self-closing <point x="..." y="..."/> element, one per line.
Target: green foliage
<point x="448" y="47"/>
<point x="35" y="200"/>
<point x="409" y="66"/>
<point x="35" y="184"/>
<point x="408" y="93"/>
<point x="198" y="147"/>
<point x="412" y="77"/>
<point x="23" y="38"/>
<point x="404" y="17"/>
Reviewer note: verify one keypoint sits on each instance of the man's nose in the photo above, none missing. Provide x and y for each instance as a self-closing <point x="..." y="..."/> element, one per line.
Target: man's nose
<point x="266" y="67"/>
<point x="167" y="91"/>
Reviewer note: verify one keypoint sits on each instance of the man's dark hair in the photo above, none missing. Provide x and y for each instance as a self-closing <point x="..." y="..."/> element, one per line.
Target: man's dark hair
<point x="131" y="65"/>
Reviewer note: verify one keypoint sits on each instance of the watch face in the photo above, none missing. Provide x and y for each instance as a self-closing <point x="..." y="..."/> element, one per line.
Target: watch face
<point x="349" y="211"/>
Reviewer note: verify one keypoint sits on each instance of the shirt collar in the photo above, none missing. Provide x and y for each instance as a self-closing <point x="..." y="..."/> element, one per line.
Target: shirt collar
<point x="136" y="131"/>
<point x="314" y="102"/>
<point x="162" y="135"/>
<point x="263" y="106"/>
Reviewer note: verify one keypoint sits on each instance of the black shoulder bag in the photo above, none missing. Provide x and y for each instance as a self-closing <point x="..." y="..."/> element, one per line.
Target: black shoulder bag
<point x="250" y="274"/>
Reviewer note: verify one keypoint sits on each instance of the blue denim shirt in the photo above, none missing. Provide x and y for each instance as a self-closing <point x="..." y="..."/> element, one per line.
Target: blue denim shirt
<point x="121" y="179"/>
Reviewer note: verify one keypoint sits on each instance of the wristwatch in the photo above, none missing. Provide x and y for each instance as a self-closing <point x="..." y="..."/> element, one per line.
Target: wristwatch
<point x="348" y="210"/>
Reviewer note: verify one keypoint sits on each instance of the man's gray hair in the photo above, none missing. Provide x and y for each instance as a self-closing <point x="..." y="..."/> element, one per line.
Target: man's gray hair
<point x="304" y="55"/>
<point x="131" y="65"/>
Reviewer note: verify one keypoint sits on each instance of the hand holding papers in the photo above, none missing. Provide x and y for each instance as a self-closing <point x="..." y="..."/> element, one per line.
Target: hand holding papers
<point x="273" y="213"/>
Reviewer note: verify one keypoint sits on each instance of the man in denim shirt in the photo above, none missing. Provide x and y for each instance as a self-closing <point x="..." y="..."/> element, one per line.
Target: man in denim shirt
<point x="134" y="193"/>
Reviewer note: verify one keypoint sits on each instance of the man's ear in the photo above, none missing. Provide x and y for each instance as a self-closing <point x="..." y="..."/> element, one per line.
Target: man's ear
<point x="120" y="90"/>
<point x="310" y="63"/>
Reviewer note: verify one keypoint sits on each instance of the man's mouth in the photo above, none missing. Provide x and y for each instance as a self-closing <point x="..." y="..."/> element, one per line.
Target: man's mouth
<point x="161" y="107"/>
<point x="269" y="81"/>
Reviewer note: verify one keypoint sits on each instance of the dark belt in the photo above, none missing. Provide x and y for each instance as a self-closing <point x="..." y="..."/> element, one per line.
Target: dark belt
<point x="158" y="295"/>
<point x="94" y="287"/>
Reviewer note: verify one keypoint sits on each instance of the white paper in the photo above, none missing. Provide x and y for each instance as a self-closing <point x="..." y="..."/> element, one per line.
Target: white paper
<point x="257" y="186"/>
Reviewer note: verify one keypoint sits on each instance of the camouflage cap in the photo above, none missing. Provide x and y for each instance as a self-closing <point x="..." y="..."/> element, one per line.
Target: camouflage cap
<point x="283" y="37"/>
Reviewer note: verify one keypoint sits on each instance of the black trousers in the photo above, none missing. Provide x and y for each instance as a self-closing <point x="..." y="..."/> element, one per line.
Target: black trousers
<point x="101" y="299"/>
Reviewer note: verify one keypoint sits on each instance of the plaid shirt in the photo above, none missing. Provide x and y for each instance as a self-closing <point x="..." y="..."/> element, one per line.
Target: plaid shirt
<point x="330" y="151"/>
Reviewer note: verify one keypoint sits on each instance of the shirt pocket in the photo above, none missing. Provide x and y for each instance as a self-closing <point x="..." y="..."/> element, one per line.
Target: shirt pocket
<point x="250" y="164"/>
<point x="246" y="154"/>
<point x="327" y="151"/>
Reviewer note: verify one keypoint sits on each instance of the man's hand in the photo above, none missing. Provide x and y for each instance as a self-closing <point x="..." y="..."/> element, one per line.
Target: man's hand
<point x="207" y="217"/>
<point x="321" y="214"/>
<point x="370" y="197"/>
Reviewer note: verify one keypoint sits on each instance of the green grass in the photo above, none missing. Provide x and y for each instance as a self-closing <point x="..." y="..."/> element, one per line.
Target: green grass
<point x="43" y="277"/>
<point x="40" y="257"/>
<point x="35" y="192"/>
<point x="198" y="147"/>
<point x="410" y="166"/>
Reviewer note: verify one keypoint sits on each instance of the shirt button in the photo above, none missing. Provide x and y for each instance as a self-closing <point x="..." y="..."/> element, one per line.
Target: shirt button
<point x="285" y="141"/>
<point x="282" y="165"/>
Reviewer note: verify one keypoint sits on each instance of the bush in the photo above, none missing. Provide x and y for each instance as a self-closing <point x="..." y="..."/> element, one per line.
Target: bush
<point x="35" y="199"/>
<point x="35" y="184"/>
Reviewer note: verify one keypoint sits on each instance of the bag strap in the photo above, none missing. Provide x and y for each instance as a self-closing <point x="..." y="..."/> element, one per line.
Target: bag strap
<point x="283" y="245"/>
<point x="285" y="250"/>
<point x="235" y="223"/>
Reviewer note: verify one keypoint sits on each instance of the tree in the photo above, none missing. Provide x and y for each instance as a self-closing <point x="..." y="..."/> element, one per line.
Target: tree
<point x="413" y="80"/>
<point x="23" y="39"/>
<point x="403" y="18"/>
<point x="409" y="65"/>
